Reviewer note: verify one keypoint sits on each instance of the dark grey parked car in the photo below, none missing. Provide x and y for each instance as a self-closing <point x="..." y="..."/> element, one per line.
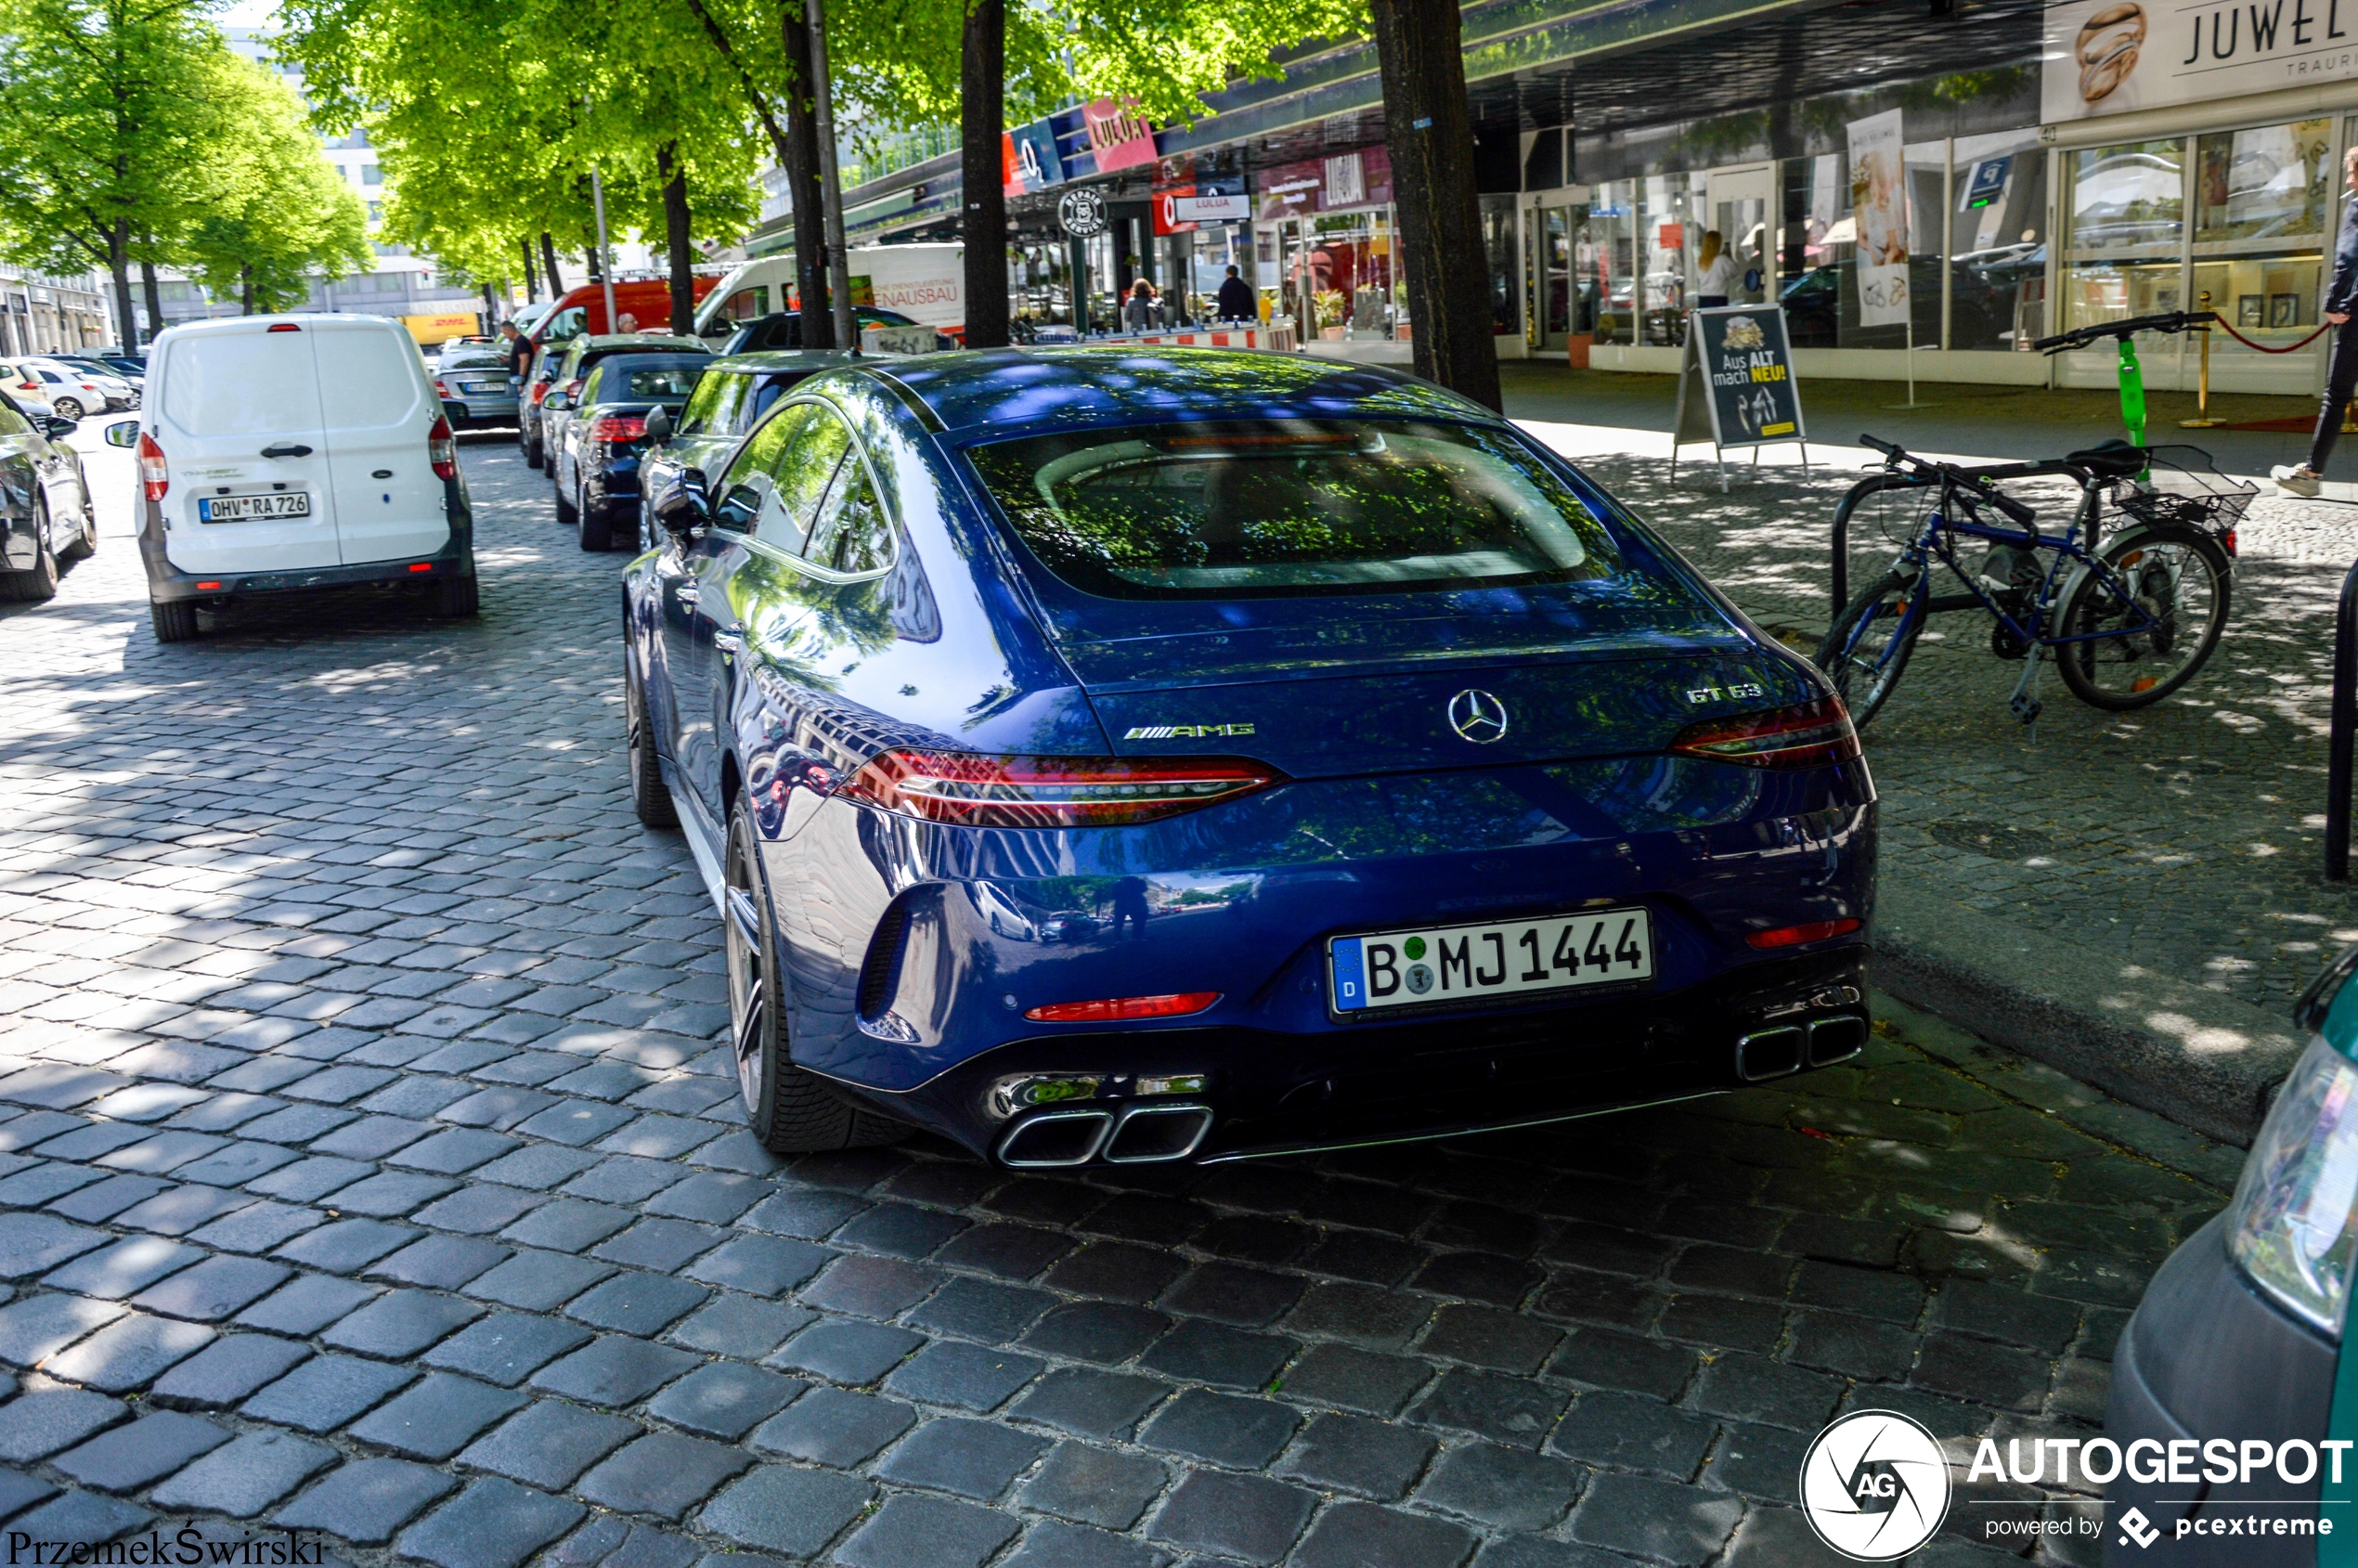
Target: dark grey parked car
<point x="2225" y="1395"/>
<point x="45" y="502"/>
<point x="736" y="392"/>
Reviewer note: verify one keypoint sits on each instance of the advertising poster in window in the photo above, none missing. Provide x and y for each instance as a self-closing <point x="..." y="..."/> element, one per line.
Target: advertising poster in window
<point x="1879" y="208"/>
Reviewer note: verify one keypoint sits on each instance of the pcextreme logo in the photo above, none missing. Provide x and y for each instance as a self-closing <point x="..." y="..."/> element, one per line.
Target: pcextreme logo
<point x="1874" y="1485"/>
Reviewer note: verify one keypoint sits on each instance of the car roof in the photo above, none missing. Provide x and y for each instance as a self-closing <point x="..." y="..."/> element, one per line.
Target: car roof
<point x="628" y="362"/>
<point x="632" y="340"/>
<point x="1109" y="386"/>
<point x="809" y="359"/>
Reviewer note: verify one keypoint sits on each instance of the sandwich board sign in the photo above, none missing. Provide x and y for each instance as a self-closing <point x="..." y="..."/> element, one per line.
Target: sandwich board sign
<point x="1736" y="386"/>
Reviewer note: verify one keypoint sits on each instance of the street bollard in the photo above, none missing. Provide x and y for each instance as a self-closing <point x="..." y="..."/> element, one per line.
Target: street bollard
<point x="2343" y="719"/>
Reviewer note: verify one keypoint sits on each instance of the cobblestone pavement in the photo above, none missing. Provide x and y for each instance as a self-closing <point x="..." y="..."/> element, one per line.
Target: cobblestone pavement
<point x="369" y="1167"/>
<point x="2185" y="837"/>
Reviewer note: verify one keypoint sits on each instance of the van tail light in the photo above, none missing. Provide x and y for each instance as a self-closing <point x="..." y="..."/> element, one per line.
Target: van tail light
<point x="442" y="449"/>
<point x="155" y="474"/>
<point x="613" y="429"/>
<point x="1808" y="735"/>
<point x="972" y="790"/>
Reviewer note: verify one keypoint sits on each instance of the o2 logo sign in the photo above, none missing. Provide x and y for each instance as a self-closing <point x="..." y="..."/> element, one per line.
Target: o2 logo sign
<point x="1874" y="1485"/>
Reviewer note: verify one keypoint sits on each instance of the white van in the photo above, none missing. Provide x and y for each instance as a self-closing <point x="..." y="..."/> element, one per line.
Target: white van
<point x="925" y="284"/>
<point x="284" y="453"/>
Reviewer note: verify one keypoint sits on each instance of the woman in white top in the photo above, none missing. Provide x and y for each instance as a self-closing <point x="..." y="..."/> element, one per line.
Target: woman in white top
<point x="1717" y="271"/>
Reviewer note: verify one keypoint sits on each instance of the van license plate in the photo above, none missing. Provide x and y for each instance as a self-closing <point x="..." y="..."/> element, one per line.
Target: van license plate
<point x="1477" y="963"/>
<point x="248" y="509"/>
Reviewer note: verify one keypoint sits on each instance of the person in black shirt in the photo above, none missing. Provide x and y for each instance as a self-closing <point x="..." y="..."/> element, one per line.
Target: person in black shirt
<point x="2341" y="369"/>
<point x="1237" y="303"/>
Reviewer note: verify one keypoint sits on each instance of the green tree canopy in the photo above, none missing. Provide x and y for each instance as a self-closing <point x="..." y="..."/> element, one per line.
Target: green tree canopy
<point x="276" y="212"/>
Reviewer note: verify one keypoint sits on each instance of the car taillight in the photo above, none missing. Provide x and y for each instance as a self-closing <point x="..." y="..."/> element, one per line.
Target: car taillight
<point x="442" y="449"/>
<point x="540" y="389"/>
<point x="440" y="390"/>
<point x="1805" y="735"/>
<point x="611" y="428"/>
<point x="155" y="474"/>
<point x="973" y="790"/>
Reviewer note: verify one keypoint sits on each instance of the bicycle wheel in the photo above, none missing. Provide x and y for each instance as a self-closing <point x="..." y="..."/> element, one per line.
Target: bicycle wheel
<point x="1874" y="517"/>
<point x="1866" y="650"/>
<point x="2152" y="619"/>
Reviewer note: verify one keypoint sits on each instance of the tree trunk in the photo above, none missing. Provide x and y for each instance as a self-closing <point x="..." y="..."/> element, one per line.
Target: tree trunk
<point x="531" y="275"/>
<point x="1430" y="138"/>
<point x="245" y="290"/>
<point x="591" y="260"/>
<point x="802" y="182"/>
<point x="679" y="248"/>
<point x="119" y="267"/>
<point x="490" y="309"/>
<point x="154" y="291"/>
<point x="982" y="100"/>
<point x="549" y="261"/>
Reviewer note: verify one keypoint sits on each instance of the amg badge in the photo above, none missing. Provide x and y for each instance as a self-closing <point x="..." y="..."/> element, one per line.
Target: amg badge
<point x="1175" y="731"/>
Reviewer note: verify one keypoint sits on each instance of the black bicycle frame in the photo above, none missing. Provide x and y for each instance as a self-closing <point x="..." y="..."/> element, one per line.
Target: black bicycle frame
<point x="1934" y="540"/>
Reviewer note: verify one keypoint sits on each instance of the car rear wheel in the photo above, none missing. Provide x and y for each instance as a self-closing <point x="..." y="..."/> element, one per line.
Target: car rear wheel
<point x="175" y="622"/>
<point x="533" y="455"/>
<point x="39" y="580"/>
<point x="650" y="801"/>
<point x="68" y="407"/>
<point x="793" y="1111"/>
<point x="597" y="528"/>
<point x="567" y="513"/>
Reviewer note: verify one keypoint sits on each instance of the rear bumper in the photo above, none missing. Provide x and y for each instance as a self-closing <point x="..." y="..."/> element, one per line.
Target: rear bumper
<point x="479" y="412"/>
<point x="1271" y="1093"/>
<point x="168" y="584"/>
<point x="2205" y="1356"/>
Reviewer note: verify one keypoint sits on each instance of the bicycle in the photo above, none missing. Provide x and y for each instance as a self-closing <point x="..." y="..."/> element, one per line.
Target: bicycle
<point x="2130" y="620"/>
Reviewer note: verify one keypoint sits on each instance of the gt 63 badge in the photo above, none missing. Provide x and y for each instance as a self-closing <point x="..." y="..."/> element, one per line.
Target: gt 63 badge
<point x="1874" y="1485"/>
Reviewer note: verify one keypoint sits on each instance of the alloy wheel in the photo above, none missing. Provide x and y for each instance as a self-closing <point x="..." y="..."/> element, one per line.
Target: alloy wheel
<point x="750" y="994"/>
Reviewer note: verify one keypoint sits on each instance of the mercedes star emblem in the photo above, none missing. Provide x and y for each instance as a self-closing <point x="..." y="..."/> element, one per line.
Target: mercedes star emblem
<point x="1478" y="715"/>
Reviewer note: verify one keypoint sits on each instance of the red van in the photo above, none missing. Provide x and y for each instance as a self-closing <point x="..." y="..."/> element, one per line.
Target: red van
<point x="583" y="310"/>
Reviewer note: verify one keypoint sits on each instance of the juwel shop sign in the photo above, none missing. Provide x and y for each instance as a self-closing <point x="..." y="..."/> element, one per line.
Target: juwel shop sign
<point x="2110" y="57"/>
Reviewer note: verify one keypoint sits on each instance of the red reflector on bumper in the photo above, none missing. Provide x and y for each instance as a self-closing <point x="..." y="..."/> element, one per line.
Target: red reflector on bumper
<point x="207" y="588"/>
<point x="422" y="566"/>
<point x="1793" y="935"/>
<point x="1117" y="1009"/>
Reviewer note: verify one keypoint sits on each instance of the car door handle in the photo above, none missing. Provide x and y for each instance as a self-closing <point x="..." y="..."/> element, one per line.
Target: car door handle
<point x="287" y="449"/>
<point x="728" y="641"/>
<point x="690" y="593"/>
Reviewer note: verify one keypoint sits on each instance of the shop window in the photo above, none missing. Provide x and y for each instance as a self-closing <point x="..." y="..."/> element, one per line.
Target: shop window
<point x="2262" y="203"/>
<point x="1670" y="210"/>
<point x="2128" y="210"/>
<point x="1998" y="274"/>
<point x="1612" y="234"/>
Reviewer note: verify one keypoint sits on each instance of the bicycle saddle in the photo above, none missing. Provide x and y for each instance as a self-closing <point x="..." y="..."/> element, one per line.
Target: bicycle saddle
<point x="2113" y="459"/>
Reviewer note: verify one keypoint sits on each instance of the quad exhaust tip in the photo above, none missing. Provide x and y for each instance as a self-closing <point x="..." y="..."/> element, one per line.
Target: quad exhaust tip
<point x="1137" y="1134"/>
<point x="1773" y="1052"/>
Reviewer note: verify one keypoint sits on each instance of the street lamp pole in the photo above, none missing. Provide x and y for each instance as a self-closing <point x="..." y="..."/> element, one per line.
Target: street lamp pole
<point x="605" y="256"/>
<point x="830" y="180"/>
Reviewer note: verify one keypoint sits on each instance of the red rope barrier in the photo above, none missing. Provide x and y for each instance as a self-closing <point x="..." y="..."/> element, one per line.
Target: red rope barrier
<point x="2263" y="348"/>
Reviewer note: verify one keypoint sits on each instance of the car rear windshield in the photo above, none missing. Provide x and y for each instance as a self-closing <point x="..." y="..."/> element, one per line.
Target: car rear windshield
<point x="657" y="386"/>
<point x="1289" y="508"/>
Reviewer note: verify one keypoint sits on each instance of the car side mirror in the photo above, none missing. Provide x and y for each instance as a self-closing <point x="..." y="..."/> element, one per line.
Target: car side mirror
<point x="555" y="401"/>
<point x="684" y="505"/>
<point x="124" y="432"/>
<point x="658" y="426"/>
<point x="58" y="428"/>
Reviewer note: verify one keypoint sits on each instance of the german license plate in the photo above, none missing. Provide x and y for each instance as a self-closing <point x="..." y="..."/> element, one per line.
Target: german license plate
<point x="250" y="509"/>
<point x="1477" y="962"/>
<point x="485" y="386"/>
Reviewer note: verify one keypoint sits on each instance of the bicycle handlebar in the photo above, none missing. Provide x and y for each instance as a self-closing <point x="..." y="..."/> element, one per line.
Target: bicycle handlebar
<point x="2171" y="321"/>
<point x="1977" y="480"/>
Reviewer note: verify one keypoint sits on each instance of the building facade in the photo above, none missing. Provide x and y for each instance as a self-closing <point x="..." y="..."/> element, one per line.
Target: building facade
<point x="45" y="315"/>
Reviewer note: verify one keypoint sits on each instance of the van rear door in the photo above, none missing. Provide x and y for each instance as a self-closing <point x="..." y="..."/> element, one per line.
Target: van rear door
<point x="378" y="408"/>
<point x="240" y="424"/>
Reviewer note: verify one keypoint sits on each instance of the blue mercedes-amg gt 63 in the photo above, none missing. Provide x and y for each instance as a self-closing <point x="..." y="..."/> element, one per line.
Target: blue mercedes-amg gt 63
<point x="1108" y="755"/>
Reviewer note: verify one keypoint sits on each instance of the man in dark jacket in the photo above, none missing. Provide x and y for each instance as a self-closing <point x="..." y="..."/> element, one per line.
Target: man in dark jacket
<point x="1237" y="303"/>
<point x="2341" y="369"/>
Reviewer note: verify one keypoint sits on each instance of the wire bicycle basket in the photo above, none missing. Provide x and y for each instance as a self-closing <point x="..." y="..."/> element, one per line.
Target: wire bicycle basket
<point x="2185" y="485"/>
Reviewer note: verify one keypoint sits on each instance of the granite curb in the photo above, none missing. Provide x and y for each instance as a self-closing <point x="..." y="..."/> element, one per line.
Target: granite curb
<point x="2202" y="1058"/>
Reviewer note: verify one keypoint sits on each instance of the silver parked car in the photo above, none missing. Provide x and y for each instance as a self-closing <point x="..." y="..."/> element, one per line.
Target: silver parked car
<point x="471" y="379"/>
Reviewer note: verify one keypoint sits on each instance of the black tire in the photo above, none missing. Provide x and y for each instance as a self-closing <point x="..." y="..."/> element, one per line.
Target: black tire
<point x="1863" y="661"/>
<point x="175" y="622"/>
<point x="568" y="515"/>
<point x="2182" y="581"/>
<point x="793" y="1111"/>
<point x="533" y="455"/>
<point x="69" y="407"/>
<point x="597" y="528"/>
<point x="38" y="581"/>
<point x="455" y="599"/>
<point x="650" y="801"/>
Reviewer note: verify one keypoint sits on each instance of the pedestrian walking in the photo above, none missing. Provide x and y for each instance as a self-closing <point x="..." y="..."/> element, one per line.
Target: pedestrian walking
<point x="1236" y="302"/>
<point x="1715" y="277"/>
<point x="517" y="350"/>
<point x="2341" y="369"/>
